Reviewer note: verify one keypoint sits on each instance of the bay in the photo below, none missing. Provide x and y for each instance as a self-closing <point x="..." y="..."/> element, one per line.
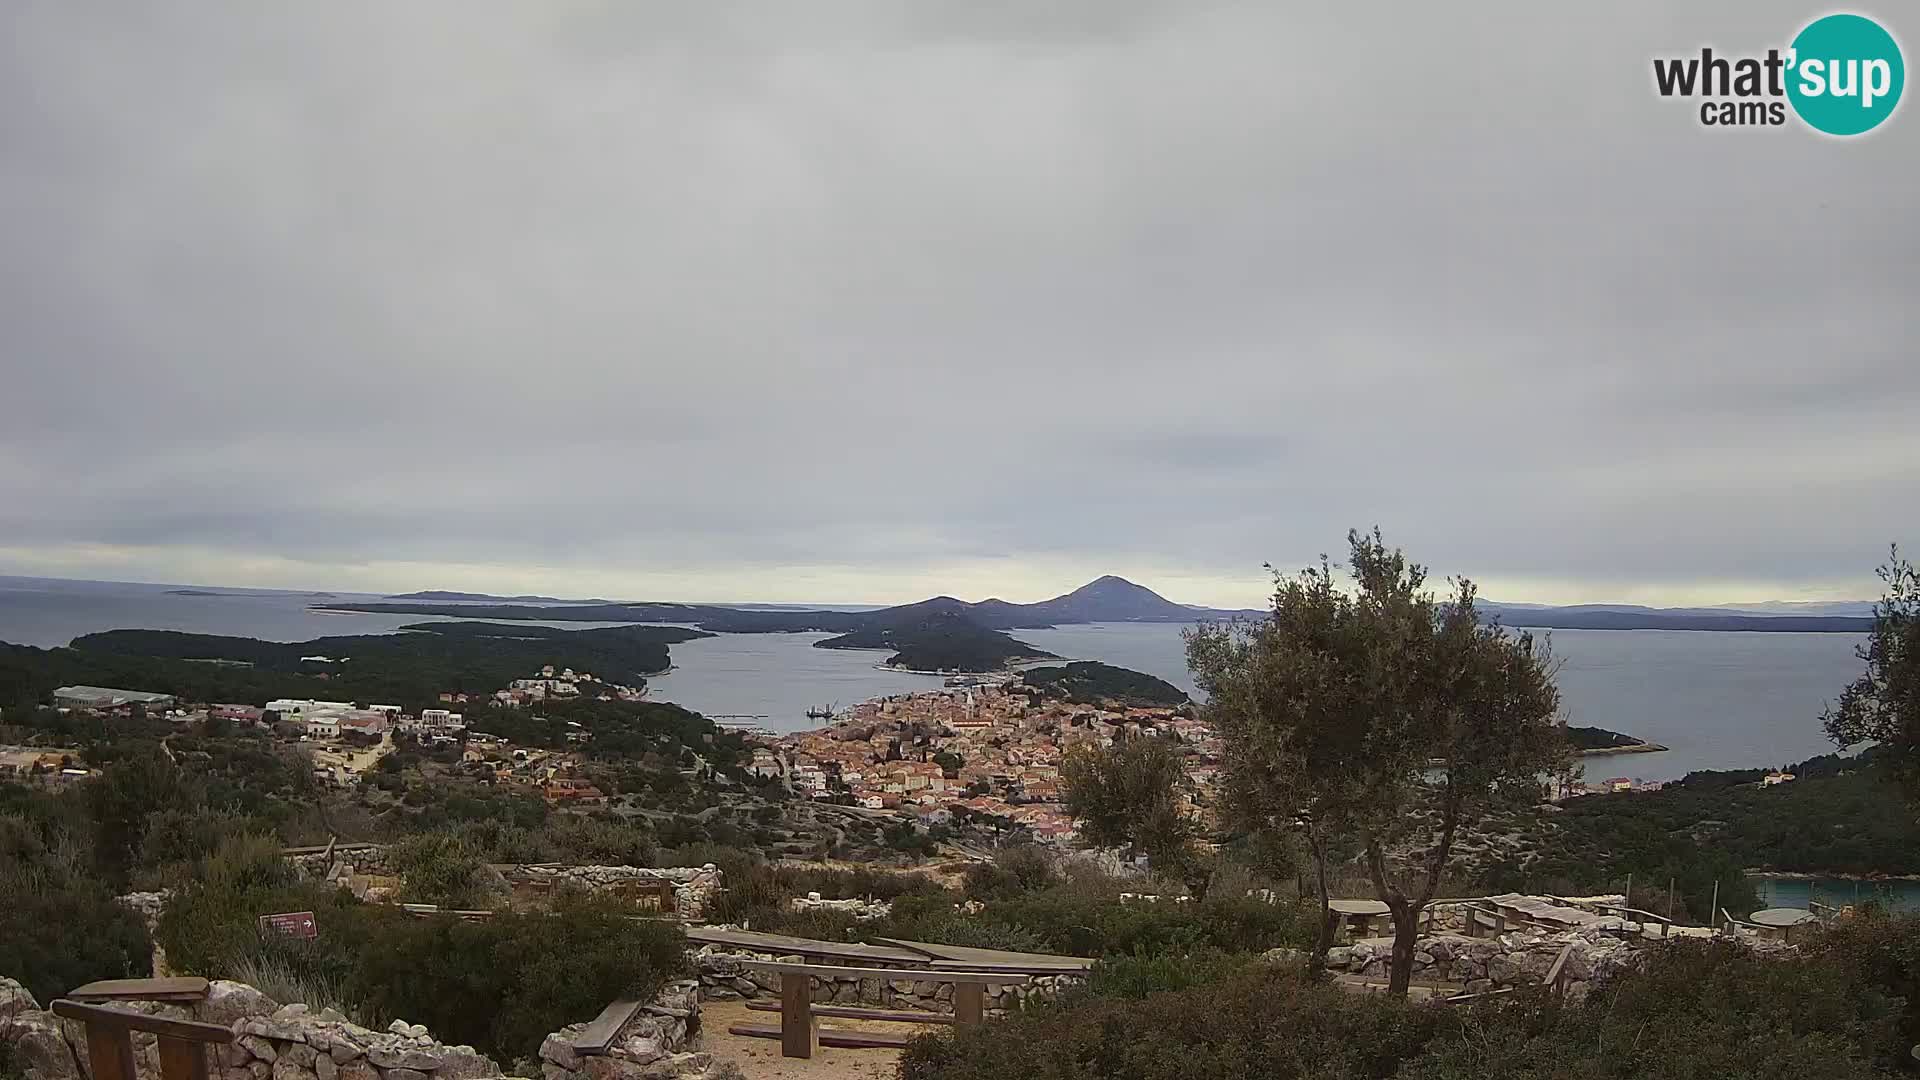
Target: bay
<point x="1717" y="700"/>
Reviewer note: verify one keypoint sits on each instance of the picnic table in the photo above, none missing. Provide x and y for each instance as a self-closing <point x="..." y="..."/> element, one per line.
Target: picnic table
<point x="1359" y="915"/>
<point x="1783" y="919"/>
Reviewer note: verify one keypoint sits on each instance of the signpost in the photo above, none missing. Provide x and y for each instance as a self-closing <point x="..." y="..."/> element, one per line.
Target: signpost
<point x="293" y="924"/>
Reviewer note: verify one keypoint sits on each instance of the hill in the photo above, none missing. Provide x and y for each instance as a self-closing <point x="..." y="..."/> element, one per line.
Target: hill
<point x="936" y="635"/>
<point x="1094" y="683"/>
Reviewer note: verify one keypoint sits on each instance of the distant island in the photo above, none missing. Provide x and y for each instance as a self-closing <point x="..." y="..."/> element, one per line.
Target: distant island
<point x="1093" y="683"/>
<point x="442" y="594"/>
<point x="1102" y="600"/>
<point x="937" y="636"/>
<point x="1594" y="740"/>
<point x="196" y="592"/>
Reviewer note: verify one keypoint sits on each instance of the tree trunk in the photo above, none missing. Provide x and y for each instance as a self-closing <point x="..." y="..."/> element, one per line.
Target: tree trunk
<point x="1406" y="934"/>
<point x="1317" y="963"/>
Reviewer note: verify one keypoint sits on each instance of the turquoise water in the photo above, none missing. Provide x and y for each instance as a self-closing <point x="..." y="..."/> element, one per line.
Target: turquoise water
<point x="1837" y="892"/>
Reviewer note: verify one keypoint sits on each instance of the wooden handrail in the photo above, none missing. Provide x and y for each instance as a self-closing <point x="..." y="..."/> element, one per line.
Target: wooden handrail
<point x="182" y="1043"/>
<point x="1556" y="979"/>
<point x="828" y="971"/>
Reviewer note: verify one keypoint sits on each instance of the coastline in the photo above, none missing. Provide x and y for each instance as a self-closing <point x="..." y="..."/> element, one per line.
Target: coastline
<point x="1635" y="748"/>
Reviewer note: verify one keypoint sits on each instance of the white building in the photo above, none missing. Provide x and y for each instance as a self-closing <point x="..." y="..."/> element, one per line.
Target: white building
<point x="436" y="722"/>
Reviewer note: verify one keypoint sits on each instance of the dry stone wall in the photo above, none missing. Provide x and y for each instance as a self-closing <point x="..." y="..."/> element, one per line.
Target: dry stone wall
<point x="273" y="1042"/>
<point x="656" y="1044"/>
<point x="1521" y="958"/>
<point x="724" y="976"/>
<point x="694" y="887"/>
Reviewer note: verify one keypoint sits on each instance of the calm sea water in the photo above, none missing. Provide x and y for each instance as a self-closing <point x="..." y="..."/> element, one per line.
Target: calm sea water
<point x="1718" y="700"/>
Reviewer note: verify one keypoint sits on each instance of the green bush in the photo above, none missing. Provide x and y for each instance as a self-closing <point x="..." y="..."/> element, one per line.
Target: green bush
<point x="1700" y="1011"/>
<point x="1261" y="1023"/>
<point x="1015" y="871"/>
<point x="1138" y="976"/>
<point x="59" y="926"/>
<point x="438" y="868"/>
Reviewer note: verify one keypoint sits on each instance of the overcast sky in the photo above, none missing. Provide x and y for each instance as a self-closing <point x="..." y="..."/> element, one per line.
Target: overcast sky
<point x="867" y="301"/>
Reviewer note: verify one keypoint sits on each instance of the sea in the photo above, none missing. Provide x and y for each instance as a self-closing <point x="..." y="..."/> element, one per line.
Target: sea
<point x="1716" y="700"/>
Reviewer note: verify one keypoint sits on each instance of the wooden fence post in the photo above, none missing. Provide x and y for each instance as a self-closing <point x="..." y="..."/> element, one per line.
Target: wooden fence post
<point x="799" y="1031"/>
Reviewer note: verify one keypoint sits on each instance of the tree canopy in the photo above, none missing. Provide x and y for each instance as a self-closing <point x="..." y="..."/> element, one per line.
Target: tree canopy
<point x="1350" y="711"/>
<point x="1883" y="704"/>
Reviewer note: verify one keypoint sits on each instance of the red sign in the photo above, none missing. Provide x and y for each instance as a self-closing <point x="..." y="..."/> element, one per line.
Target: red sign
<point x="295" y="924"/>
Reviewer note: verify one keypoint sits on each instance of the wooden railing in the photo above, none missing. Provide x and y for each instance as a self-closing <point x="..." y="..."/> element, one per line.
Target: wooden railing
<point x="183" y="1043"/>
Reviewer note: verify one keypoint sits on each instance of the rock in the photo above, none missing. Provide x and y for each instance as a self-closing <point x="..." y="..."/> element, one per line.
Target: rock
<point x="1423" y="959"/>
<point x="1339" y="956"/>
<point x="746" y="986"/>
<point x="1285" y="957"/>
<point x="325" y="1067"/>
<point x="358" y="1070"/>
<point x="15" y="998"/>
<point x="463" y="1063"/>
<point x="229" y="1002"/>
<point x="285" y="1069"/>
<point x="400" y="1027"/>
<point x="550" y="1071"/>
<point x="418" y="1031"/>
<point x="342" y="1047"/>
<point x="1479" y="986"/>
<point x="268" y="1028"/>
<point x="642" y="1049"/>
<point x="558" y="1047"/>
<point x="405" y="1074"/>
<point x="396" y="1058"/>
<point x="300" y="1054"/>
<point x="39" y="1049"/>
<point x="258" y="1047"/>
<point x="261" y="1070"/>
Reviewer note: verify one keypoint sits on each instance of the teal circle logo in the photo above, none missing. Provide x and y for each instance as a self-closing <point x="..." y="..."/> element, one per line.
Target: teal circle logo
<point x="1845" y="74"/>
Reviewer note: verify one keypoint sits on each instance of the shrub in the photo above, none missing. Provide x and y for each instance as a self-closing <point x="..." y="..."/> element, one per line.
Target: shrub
<point x="1138" y="976"/>
<point x="1260" y="1023"/>
<point x="60" y="926"/>
<point x="438" y="868"/>
<point x="1015" y="871"/>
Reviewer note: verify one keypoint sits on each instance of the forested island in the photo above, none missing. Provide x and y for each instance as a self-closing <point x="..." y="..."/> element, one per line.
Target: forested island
<point x="937" y="637"/>
<point x="1093" y="683"/>
<point x="1594" y="740"/>
<point x="406" y="668"/>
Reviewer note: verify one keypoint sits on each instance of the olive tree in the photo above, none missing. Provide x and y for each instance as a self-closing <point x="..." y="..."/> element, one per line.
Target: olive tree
<point x="1371" y="714"/>
<point x="1883" y="704"/>
<point x="1128" y="795"/>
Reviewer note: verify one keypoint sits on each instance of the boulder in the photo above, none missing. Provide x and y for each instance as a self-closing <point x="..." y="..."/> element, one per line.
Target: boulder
<point x="325" y="1068"/>
<point x="558" y="1047"/>
<point x="40" y="1049"/>
<point x="405" y="1074"/>
<point x="257" y="1047"/>
<point x="300" y="1054"/>
<point x="15" y="998"/>
<point x="358" y="1069"/>
<point x="228" y="1002"/>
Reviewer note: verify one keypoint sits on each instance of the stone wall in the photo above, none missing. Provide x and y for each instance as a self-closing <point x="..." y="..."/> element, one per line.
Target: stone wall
<point x="694" y="887"/>
<point x="859" y="909"/>
<point x="724" y="976"/>
<point x="656" y="1044"/>
<point x="274" y="1042"/>
<point x="1521" y="958"/>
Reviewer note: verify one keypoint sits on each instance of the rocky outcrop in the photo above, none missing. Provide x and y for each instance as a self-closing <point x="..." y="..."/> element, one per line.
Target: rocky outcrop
<point x="36" y="1041"/>
<point x="725" y="976"/>
<point x="656" y="1044"/>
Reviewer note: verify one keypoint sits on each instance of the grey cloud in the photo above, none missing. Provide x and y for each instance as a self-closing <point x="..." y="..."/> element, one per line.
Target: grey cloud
<point x="1051" y="288"/>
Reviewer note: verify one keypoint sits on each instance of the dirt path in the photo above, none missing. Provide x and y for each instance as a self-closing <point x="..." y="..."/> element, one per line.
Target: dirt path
<point x="759" y="1059"/>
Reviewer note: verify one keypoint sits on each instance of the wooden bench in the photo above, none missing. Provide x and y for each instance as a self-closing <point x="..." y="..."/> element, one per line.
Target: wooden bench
<point x="848" y="1012"/>
<point x="183" y="1043"/>
<point x="799" y="1030"/>
<point x="176" y="989"/>
<point x="598" y="1035"/>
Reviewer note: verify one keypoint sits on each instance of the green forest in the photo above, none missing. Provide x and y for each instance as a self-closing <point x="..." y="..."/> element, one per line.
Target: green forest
<point x="408" y="669"/>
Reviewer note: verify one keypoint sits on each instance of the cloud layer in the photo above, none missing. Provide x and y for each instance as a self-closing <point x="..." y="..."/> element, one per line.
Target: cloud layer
<point x="865" y="300"/>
